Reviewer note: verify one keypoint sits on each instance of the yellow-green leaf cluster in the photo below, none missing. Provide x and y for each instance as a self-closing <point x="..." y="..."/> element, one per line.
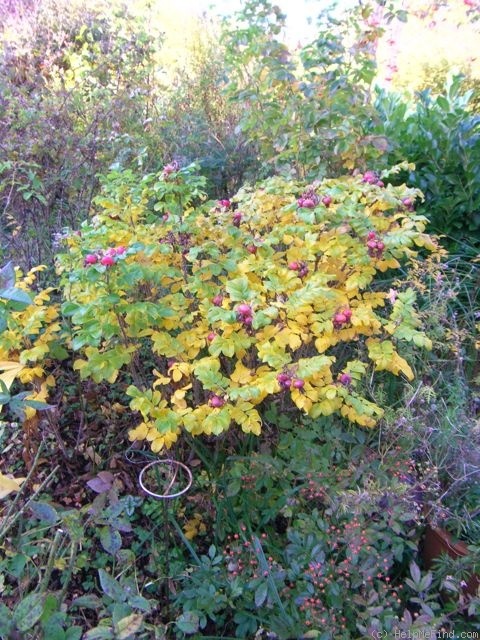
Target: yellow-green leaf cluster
<point x="206" y="313"/>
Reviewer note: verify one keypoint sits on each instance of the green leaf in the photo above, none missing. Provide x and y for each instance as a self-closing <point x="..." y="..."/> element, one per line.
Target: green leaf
<point x="216" y="314"/>
<point x="7" y="276"/>
<point x="110" y="540"/>
<point x="16" y="295"/>
<point x="188" y="622"/>
<point x="5" y="620"/>
<point x="139" y="602"/>
<point x="58" y="352"/>
<point x="222" y="345"/>
<point x="274" y="355"/>
<point x="239" y="289"/>
<point x="261" y="593"/>
<point x="99" y="633"/>
<point x="88" y="601"/>
<point x="44" y="511"/>
<point x="54" y="631"/>
<point x="37" y="404"/>
<point x="28" y="612"/>
<point x="69" y="308"/>
<point x="111" y="587"/>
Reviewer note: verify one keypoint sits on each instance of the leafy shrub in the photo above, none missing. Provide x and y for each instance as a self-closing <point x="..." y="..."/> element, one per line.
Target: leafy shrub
<point x="308" y="111"/>
<point x="75" y="94"/>
<point x="440" y="134"/>
<point x="216" y="312"/>
<point x="30" y="345"/>
<point x="333" y="517"/>
<point x="199" y="123"/>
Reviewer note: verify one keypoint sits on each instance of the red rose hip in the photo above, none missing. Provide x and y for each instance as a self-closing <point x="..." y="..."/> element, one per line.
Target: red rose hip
<point x="107" y="261"/>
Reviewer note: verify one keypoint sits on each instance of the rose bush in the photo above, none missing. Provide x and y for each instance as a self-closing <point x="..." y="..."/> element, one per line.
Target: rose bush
<point x="216" y="311"/>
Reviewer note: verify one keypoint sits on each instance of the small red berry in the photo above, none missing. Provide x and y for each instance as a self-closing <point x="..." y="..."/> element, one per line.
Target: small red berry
<point x="216" y="402"/>
<point x="298" y="384"/>
<point x="371" y="235"/>
<point x="340" y="318"/>
<point x="347" y="313"/>
<point x="120" y="250"/>
<point x="380" y="246"/>
<point x="345" y="379"/>
<point x="370" y="177"/>
<point x="107" y="261"/>
<point x="327" y="201"/>
<point x="308" y="203"/>
<point x="283" y="377"/>
<point x="91" y="258"/>
<point x="211" y="336"/>
<point x="252" y="249"/>
<point x="294" y="266"/>
<point x="244" y="309"/>
<point x="170" y="168"/>
<point x="217" y="300"/>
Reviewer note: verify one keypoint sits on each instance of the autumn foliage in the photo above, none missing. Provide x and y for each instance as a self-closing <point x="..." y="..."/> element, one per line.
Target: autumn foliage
<point x="216" y="311"/>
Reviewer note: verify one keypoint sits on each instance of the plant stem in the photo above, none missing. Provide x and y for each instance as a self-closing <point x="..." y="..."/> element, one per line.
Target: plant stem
<point x="43" y="586"/>
<point x="8" y="525"/>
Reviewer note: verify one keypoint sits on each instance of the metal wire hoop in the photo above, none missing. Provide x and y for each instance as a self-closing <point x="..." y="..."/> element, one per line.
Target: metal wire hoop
<point x="136" y="456"/>
<point x="176" y="466"/>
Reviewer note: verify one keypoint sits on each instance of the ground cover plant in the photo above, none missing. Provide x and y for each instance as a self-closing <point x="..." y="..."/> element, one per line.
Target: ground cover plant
<point x="241" y="275"/>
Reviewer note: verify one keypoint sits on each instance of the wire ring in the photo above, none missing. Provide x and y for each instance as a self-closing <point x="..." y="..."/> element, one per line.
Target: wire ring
<point x="136" y="456"/>
<point x="177" y="466"/>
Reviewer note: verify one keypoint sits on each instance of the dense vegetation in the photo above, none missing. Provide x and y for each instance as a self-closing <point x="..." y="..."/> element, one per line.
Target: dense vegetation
<point x="259" y="270"/>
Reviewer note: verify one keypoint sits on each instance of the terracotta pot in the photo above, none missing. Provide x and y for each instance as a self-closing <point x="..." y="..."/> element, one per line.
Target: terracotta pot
<point x="437" y="541"/>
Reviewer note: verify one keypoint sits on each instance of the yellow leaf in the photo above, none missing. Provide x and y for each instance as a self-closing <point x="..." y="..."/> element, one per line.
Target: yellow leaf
<point x="285" y="338"/>
<point x="10" y="371"/>
<point x="178" y="399"/>
<point x="301" y="400"/>
<point x="160" y="379"/>
<point x="60" y="564"/>
<point x="253" y="423"/>
<point x="30" y="374"/>
<point x="323" y="343"/>
<point x="401" y="365"/>
<point x="139" y="433"/>
<point x="9" y="485"/>
<point x="165" y="440"/>
<point x="241" y="374"/>
<point x="330" y="393"/>
<point x="177" y="375"/>
<point x="391" y="263"/>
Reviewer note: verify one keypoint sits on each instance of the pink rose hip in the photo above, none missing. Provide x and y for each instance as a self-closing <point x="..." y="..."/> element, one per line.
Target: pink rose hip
<point x="107" y="261"/>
